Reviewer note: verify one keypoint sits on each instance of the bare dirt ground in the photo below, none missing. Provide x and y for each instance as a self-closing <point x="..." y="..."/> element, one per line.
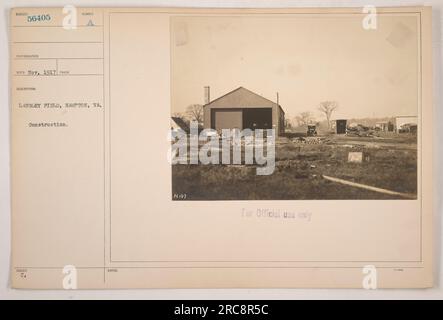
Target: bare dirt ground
<point x="390" y="162"/>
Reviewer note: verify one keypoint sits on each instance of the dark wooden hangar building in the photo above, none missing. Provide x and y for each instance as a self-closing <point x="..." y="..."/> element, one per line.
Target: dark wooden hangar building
<point x="243" y="109"/>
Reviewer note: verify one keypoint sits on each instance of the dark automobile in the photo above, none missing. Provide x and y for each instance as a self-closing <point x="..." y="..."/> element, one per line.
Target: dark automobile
<point x="312" y="131"/>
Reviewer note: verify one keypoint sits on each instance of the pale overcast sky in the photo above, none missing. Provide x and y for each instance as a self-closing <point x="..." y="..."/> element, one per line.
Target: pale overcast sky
<point x="307" y="59"/>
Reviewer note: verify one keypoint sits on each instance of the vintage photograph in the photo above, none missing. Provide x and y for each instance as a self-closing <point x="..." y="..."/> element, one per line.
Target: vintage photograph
<point x="295" y="107"/>
<point x="232" y="147"/>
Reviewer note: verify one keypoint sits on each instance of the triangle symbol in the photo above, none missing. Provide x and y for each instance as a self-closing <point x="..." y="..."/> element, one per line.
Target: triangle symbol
<point x="90" y="23"/>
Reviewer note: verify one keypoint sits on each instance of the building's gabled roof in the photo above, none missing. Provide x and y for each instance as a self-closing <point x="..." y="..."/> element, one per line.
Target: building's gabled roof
<point x="181" y="123"/>
<point x="242" y="97"/>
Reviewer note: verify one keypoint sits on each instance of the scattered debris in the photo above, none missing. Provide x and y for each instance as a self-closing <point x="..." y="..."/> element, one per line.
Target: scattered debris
<point x="408" y="128"/>
<point x="359" y="130"/>
<point x="309" y="140"/>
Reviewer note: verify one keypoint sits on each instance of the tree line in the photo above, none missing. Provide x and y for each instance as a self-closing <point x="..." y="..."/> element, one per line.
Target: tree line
<point x="194" y="112"/>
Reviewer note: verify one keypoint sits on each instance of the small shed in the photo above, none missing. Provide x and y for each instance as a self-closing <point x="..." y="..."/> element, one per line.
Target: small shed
<point x="340" y="126"/>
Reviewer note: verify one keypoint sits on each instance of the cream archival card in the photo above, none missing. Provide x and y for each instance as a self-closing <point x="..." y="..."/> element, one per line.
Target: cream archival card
<point x="221" y="148"/>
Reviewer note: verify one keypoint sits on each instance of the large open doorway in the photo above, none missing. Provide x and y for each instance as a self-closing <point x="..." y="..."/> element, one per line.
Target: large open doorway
<point x="257" y="118"/>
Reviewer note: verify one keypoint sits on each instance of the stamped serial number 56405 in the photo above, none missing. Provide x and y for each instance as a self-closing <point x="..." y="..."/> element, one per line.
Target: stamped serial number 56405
<point x="39" y="17"/>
